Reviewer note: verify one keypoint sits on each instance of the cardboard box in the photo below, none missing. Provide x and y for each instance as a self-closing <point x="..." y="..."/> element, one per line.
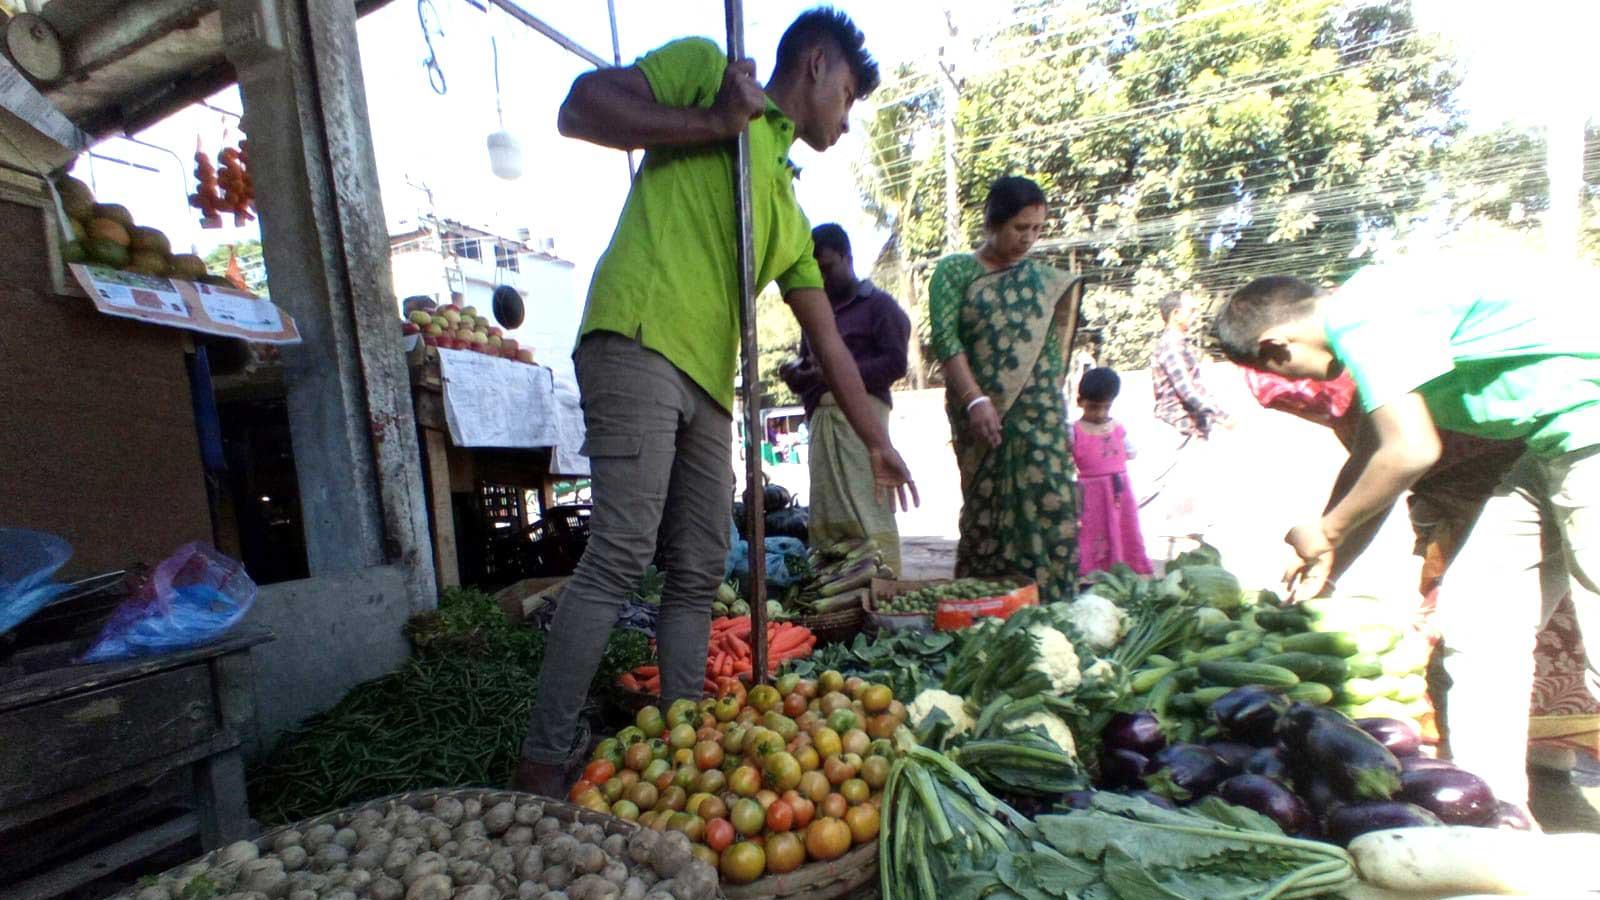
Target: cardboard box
<point x="520" y="600"/>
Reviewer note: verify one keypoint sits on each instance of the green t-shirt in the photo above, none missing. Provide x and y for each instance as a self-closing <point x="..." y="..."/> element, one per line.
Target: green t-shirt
<point x="671" y="276"/>
<point x="1500" y="351"/>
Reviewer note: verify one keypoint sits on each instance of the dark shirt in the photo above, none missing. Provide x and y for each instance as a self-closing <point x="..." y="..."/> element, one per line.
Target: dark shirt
<point x="876" y="331"/>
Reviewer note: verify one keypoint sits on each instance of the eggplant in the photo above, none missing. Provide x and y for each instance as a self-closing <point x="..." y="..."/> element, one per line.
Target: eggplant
<point x="1185" y="772"/>
<point x="1233" y="755"/>
<point x="1417" y="763"/>
<point x="1456" y="796"/>
<point x="1398" y="736"/>
<point x="1076" y="800"/>
<point x="1358" y="767"/>
<point x="1318" y="794"/>
<point x="1139" y="732"/>
<point x="1248" y="714"/>
<point x="1349" y="822"/>
<point x="1268" y="761"/>
<point x="1271" y="799"/>
<point x="1510" y="816"/>
<point x="1153" y="799"/>
<point x="1123" y="768"/>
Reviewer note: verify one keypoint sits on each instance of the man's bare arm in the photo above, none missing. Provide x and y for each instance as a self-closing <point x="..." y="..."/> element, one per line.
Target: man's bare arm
<point x="616" y="108"/>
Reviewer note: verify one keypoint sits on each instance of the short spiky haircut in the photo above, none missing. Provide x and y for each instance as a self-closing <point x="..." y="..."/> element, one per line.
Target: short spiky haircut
<point x="1169" y="304"/>
<point x="828" y="24"/>
<point x="1258" y="306"/>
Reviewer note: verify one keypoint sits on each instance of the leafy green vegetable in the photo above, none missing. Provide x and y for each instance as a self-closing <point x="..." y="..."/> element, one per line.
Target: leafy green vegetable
<point x="907" y="661"/>
<point x="1210" y="850"/>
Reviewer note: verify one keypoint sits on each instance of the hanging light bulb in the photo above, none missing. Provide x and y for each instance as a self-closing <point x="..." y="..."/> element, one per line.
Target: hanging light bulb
<point x="505" y="151"/>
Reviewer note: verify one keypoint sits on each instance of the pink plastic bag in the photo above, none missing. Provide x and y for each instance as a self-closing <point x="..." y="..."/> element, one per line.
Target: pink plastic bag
<point x="1320" y="401"/>
<point x="193" y="597"/>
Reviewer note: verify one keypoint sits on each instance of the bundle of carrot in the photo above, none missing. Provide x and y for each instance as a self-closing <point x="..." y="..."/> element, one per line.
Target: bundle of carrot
<point x="728" y="657"/>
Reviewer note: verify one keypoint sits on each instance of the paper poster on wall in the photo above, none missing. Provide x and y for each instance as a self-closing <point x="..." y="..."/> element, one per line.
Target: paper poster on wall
<point x="206" y="308"/>
<point x="494" y="402"/>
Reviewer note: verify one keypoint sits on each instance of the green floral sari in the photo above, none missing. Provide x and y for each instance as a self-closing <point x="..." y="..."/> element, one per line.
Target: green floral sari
<point x="1019" y="513"/>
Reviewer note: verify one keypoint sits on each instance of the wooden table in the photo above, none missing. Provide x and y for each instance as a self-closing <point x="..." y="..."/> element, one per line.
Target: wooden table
<point x="85" y="749"/>
<point x="451" y="470"/>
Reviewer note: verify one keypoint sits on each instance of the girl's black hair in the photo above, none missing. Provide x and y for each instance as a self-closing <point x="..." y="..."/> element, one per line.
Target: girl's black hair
<point x="1099" y="385"/>
<point x="1007" y="197"/>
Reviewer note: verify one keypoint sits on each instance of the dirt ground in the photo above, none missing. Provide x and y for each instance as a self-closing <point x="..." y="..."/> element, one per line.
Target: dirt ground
<point x="1268" y="472"/>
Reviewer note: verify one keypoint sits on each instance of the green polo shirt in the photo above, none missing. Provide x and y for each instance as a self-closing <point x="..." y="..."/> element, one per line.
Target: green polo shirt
<point x="671" y="277"/>
<point x="1503" y="350"/>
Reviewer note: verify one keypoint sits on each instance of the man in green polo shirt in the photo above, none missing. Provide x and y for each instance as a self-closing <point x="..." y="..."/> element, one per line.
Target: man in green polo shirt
<point x="659" y="342"/>
<point x="1508" y="352"/>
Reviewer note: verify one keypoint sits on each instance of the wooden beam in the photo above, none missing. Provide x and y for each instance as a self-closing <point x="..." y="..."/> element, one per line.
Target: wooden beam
<point x="21" y="99"/>
<point x="103" y="862"/>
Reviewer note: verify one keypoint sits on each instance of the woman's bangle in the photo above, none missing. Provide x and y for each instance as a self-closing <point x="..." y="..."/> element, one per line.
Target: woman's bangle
<point x="981" y="398"/>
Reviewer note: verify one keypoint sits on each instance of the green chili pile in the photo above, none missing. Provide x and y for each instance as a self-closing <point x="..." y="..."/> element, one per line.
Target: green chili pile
<point x="453" y="715"/>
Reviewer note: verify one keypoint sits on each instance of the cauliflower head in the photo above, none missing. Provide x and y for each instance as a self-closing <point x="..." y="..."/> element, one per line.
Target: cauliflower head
<point x="1101" y="622"/>
<point x="1100" y="670"/>
<point x="1056" y="729"/>
<point x="1057" y="659"/>
<point x="953" y="706"/>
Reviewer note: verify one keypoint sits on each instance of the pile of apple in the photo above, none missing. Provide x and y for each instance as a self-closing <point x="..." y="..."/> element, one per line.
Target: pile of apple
<point x="759" y="782"/>
<point x="461" y="328"/>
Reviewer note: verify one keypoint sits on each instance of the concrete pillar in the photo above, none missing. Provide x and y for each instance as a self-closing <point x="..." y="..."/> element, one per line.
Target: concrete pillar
<point x="327" y="256"/>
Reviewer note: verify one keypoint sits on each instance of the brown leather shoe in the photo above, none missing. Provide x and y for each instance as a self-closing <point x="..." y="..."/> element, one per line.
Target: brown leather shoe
<point x="541" y="778"/>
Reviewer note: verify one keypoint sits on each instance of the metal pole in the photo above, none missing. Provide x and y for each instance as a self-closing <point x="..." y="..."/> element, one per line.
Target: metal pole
<point x="753" y="493"/>
<point x="616" y="59"/>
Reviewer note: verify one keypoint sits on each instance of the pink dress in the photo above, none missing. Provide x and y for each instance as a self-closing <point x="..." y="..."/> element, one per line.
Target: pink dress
<point x="1108" y="524"/>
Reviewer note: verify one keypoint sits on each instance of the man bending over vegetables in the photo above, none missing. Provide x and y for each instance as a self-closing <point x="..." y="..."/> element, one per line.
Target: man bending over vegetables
<point x="659" y="341"/>
<point x="1508" y="353"/>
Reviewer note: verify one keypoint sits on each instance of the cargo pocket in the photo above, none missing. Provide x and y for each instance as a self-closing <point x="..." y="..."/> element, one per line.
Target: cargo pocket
<point x="612" y="446"/>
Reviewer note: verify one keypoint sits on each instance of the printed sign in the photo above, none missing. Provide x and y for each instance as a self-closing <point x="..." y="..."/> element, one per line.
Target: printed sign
<point x="206" y="308"/>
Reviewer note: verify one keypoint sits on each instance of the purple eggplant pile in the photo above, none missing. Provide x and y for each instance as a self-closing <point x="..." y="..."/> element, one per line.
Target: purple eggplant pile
<point x="1312" y="770"/>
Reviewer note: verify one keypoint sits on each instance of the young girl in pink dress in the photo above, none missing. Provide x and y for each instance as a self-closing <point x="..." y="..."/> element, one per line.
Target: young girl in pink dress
<point x="1108" y="525"/>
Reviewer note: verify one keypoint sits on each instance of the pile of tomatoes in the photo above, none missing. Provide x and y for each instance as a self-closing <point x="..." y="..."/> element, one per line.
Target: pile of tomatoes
<point x="761" y="781"/>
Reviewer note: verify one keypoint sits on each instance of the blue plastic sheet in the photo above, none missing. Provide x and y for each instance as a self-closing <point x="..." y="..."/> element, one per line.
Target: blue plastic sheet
<point x="779" y="551"/>
<point x="28" y="562"/>
<point x="194" y="597"/>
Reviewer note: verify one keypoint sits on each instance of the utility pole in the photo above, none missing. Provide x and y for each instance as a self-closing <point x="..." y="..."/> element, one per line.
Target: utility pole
<point x="950" y="92"/>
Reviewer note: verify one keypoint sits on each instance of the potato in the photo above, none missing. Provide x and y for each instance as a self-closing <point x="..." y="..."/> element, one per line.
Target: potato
<point x="615" y="845"/>
<point x="285" y="839"/>
<point x="436" y="886"/>
<point x="464" y="871"/>
<point x="558" y="877"/>
<point x="532" y="866"/>
<point x="357" y="880"/>
<point x="438" y="833"/>
<point x="238" y="852"/>
<point x="424" y="865"/>
<point x="409" y="816"/>
<point x="155" y="892"/>
<point x="471" y="809"/>
<point x="346" y="838"/>
<point x="554" y="895"/>
<point x="499" y="817"/>
<point x="303" y="894"/>
<point x="640" y="845"/>
<point x="591" y="834"/>
<point x="339" y="894"/>
<point x="633" y="889"/>
<point x="477" y="892"/>
<point x="517" y="835"/>
<point x="369" y="858"/>
<point x="396" y="863"/>
<point x="588" y="859"/>
<point x="593" y="887"/>
<point x="272" y="882"/>
<point x="506" y="887"/>
<point x="614" y="872"/>
<point x="469" y="829"/>
<point x="377" y="834"/>
<point x="560" y="848"/>
<point x="412" y="831"/>
<point x="501" y="861"/>
<point x="329" y="855"/>
<point x="546" y="826"/>
<point x="530" y="890"/>
<point x="671" y="853"/>
<point x="696" y="881"/>
<point x="529" y="813"/>
<point x="368" y="816"/>
<point x="294" y="857"/>
<point x="386" y="888"/>
<point x="318" y="836"/>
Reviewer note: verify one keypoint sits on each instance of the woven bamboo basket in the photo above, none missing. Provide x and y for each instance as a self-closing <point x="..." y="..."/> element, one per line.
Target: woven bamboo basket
<point x="423" y="801"/>
<point x="838" y="626"/>
<point x="842" y="877"/>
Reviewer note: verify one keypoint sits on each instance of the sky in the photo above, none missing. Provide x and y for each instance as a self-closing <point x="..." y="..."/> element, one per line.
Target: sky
<point x="1517" y="68"/>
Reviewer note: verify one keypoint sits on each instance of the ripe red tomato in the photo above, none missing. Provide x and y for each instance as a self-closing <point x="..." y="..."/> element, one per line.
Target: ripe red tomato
<point x="579" y="789"/>
<point x="719" y="834"/>
<point x="599" y="771"/>
<point x="780" y="816"/>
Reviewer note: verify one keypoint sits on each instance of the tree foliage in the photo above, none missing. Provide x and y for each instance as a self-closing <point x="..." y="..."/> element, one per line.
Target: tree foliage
<point x="251" y="263"/>
<point x="1184" y="144"/>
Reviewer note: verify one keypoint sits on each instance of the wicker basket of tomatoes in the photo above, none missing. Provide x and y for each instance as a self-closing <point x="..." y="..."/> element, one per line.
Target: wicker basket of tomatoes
<point x="778" y="786"/>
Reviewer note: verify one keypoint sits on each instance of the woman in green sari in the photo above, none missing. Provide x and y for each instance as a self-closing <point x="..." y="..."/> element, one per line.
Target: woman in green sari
<point x="1001" y="324"/>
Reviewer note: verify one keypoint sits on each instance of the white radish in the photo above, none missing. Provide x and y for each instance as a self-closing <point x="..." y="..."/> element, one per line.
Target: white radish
<point x="1461" y="859"/>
